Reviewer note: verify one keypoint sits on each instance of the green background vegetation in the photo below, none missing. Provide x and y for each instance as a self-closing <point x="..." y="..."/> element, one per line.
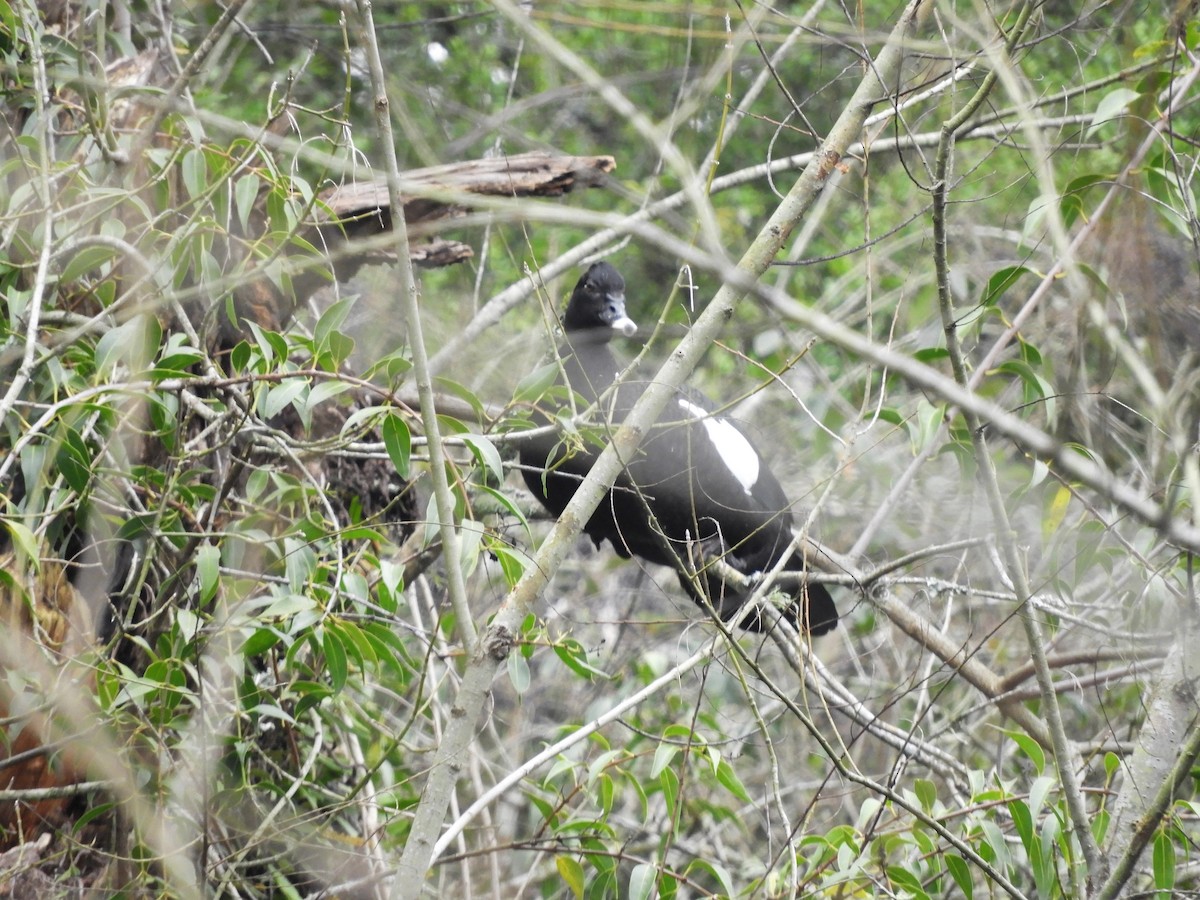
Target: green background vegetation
<point x="262" y="720"/>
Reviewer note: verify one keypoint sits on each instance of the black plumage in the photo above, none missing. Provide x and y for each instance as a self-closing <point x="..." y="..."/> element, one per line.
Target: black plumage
<point x="697" y="491"/>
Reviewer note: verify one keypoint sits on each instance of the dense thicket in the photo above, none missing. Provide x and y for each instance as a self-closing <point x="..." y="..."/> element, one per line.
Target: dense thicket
<point x="279" y="615"/>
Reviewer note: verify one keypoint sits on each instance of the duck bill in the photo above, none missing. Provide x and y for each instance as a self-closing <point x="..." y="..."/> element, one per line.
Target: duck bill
<point x="619" y="321"/>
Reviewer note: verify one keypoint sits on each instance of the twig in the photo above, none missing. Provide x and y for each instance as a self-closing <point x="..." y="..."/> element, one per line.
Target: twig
<point x="851" y="774"/>
<point x="1060" y="746"/>
<point x="654" y="136"/>
<point x="45" y="145"/>
<point x="497" y="641"/>
<point x="29" y="795"/>
<point x="195" y="63"/>
<point x="410" y="297"/>
<point x="499" y="305"/>
<point x="1050" y="279"/>
<point x="1148" y="822"/>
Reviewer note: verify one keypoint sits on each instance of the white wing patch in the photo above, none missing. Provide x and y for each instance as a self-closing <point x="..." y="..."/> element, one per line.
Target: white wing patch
<point x="735" y="451"/>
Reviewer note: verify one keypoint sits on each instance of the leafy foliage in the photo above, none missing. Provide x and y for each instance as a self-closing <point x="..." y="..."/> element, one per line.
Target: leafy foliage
<point x="223" y="575"/>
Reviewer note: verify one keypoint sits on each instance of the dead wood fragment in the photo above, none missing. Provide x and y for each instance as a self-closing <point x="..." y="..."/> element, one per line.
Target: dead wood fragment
<point x="362" y="209"/>
<point x="441" y="191"/>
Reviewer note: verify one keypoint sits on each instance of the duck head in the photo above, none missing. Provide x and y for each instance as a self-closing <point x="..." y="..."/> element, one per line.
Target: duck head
<point x="598" y="305"/>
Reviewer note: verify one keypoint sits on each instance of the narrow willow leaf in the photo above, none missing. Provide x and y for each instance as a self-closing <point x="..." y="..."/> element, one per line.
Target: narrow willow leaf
<point x="1112" y="105"/>
<point x="245" y="193"/>
<point x="1164" y="861"/>
<point x="85" y="260"/>
<point x="663" y="756"/>
<point x="518" y="672"/>
<point x="336" y="664"/>
<point x="398" y="441"/>
<point x="1000" y="282"/>
<point x="571" y="872"/>
<point x="486" y="454"/>
<point x="208" y="560"/>
<point x="961" y="873"/>
<point x="1031" y="748"/>
<point x="195" y="172"/>
<point x="641" y="881"/>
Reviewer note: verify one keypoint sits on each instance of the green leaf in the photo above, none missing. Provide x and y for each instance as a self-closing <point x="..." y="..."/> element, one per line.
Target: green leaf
<point x="925" y="426"/>
<point x="462" y="393"/>
<point x="574" y="657"/>
<point x="88" y="258"/>
<point x="1100" y="823"/>
<point x="1036" y="386"/>
<point x="1056" y="510"/>
<point x="1071" y="205"/>
<point x="470" y="536"/>
<point x="176" y="360"/>
<point x="927" y="355"/>
<point x="391" y="584"/>
<point x="1164" y="861"/>
<point x="509" y="505"/>
<point x="1041" y="858"/>
<point x="571" y="872"/>
<point x="337" y="351"/>
<point x="607" y="793"/>
<point x="74" y="461"/>
<point x="1112" y="764"/>
<point x="1023" y="821"/>
<point x="239" y="356"/>
<point x="1035" y="216"/>
<point x="512" y="563"/>
<point x="195" y="172"/>
<point x="364" y="649"/>
<point x="600" y="764"/>
<point x="336" y="664"/>
<point x="891" y="415"/>
<point x="288" y="605"/>
<point x="1000" y="282"/>
<point x="323" y="390"/>
<point x="8" y="19"/>
<point x="926" y="793"/>
<point x="486" y="454"/>
<point x="518" y="672"/>
<point x="669" y="782"/>
<point x="93" y="813"/>
<point x="245" y="193"/>
<point x="133" y="343"/>
<point x="729" y="780"/>
<point x="274" y="400"/>
<point x="300" y="562"/>
<point x="1038" y="791"/>
<point x="262" y="640"/>
<point x="272" y="345"/>
<point x="208" y="561"/>
<point x="910" y="882"/>
<point x="1111" y="106"/>
<point x="1030" y="748"/>
<point x="663" y="756"/>
<point x="536" y="383"/>
<point x="398" y="441"/>
<point x="332" y="319"/>
<point x="717" y="871"/>
<point x="961" y="873"/>
<point x="311" y="694"/>
<point x="389" y="648"/>
<point x="393" y="365"/>
<point x="995" y="843"/>
<point x="641" y="881"/>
